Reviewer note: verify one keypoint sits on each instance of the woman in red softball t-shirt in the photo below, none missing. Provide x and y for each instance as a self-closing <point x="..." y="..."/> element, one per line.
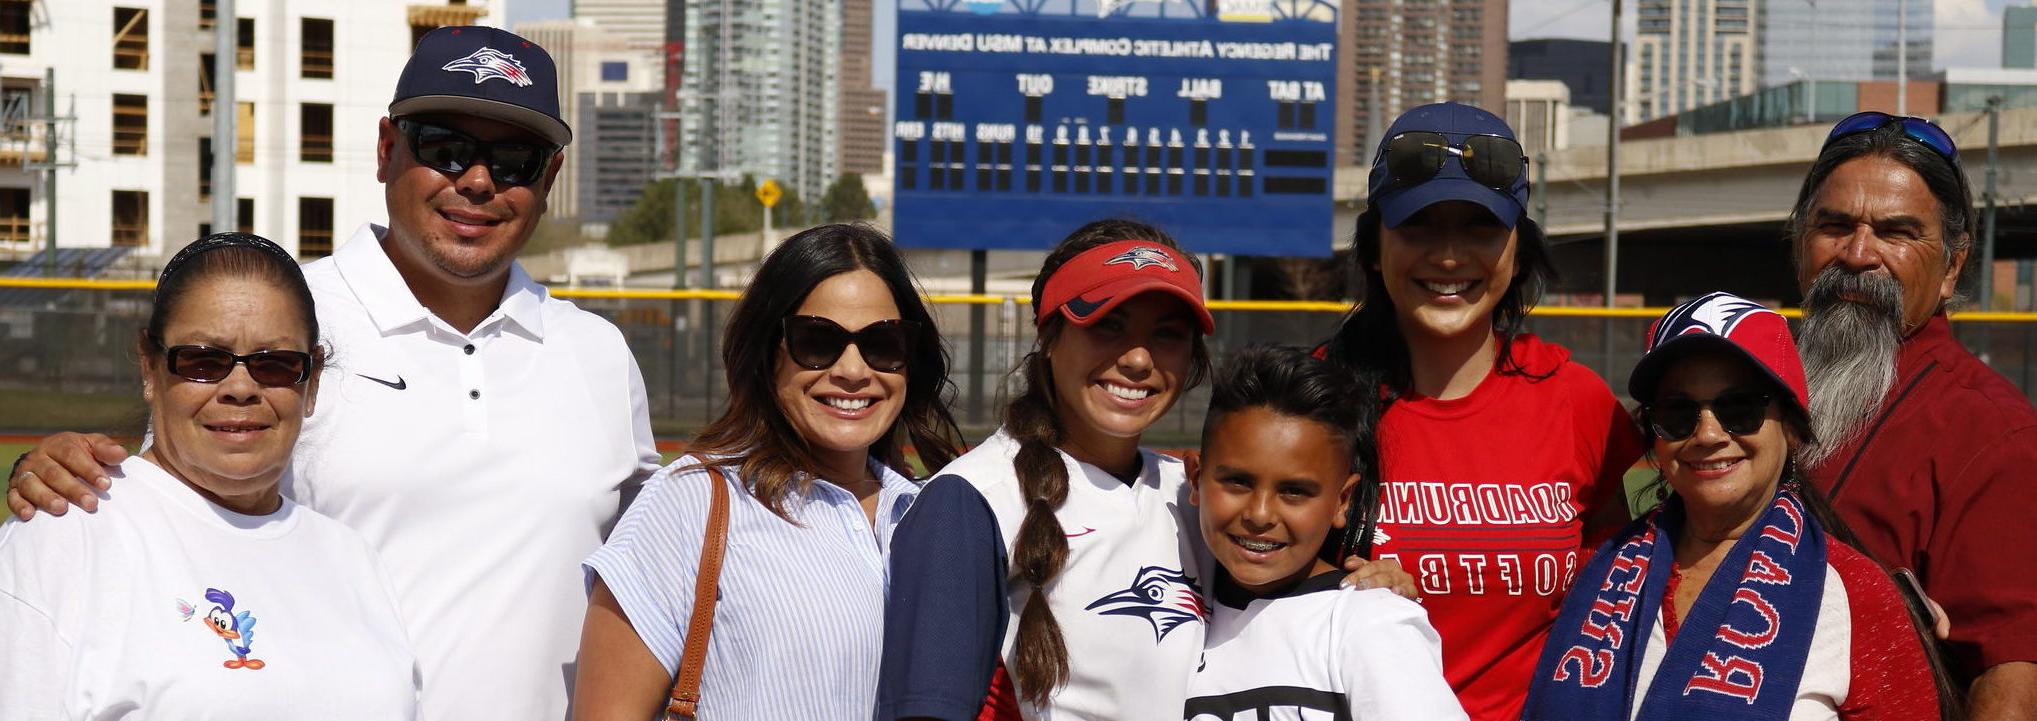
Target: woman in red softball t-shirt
<point x="1501" y="458"/>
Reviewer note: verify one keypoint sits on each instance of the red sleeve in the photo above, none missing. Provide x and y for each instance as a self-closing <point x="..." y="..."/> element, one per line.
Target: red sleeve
<point x="1609" y="444"/>
<point x="1890" y="678"/>
<point x="1990" y="593"/>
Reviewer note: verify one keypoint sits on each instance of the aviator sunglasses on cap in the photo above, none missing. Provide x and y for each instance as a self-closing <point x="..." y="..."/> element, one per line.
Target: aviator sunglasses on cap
<point x="448" y="150"/>
<point x="205" y="364"/>
<point x="1740" y="412"/>
<point x="1918" y="129"/>
<point x="1413" y="158"/>
<point x="815" y="343"/>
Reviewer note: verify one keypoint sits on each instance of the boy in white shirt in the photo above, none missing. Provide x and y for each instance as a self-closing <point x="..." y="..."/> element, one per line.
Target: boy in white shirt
<point x="1283" y="449"/>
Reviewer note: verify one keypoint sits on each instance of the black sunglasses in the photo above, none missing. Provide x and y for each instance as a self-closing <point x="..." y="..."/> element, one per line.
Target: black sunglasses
<point x="205" y="364"/>
<point x="448" y="150"/>
<point x="1739" y="412"/>
<point x="815" y="343"/>
<point x="1918" y="129"/>
<point x="1414" y="158"/>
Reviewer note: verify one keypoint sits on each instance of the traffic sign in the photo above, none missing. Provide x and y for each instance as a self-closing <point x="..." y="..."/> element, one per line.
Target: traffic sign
<point x="768" y="193"/>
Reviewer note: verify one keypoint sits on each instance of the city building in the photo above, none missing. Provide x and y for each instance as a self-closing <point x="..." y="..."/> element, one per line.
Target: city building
<point x="1689" y="53"/>
<point x="1849" y="40"/>
<point x="863" y="137"/>
<point x="2019" y="36"/>
<point x="1397" y="55"/>
<point x="1580" y="64"/>
<point x="601" y="75"/>
<point x="1539" y="112"/>
<point x="637" y="24"/>
<point x="132" y="119"/>
<point x="760" y="93"/>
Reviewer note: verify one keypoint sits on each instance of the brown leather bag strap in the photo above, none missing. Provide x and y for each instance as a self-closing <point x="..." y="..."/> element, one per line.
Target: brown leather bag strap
<point x="706" y="585"/>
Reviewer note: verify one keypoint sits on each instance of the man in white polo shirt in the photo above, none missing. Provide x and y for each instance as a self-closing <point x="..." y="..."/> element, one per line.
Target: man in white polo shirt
<point x="481" y="434"/>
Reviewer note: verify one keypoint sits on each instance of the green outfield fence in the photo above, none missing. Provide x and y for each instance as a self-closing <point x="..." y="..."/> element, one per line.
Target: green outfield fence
<point x="66" y="358"/>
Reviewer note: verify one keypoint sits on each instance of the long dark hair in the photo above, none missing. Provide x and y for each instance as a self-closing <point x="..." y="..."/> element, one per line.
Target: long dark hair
<point x="1287" y="380"/>
<point x="1031" y="419"/>
<point x="1370" y="340"/>
<point x="775" y="459"/>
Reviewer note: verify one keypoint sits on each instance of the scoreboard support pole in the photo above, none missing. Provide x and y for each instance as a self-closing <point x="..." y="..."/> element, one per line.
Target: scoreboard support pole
<point x="979" y="284"/>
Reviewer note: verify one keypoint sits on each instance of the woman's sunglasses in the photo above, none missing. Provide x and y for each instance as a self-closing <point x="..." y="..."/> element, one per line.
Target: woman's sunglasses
<point x="1739" y="412"/>
<point x="448" y="150"/>
<point x="815" y="343"/>
<point x="1918" y="129"/>
<point x="205" y="364"/>
<point x="1492" y="161"/>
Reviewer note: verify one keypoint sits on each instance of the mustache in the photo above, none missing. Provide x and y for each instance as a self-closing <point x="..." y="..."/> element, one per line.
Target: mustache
<point x="1835" y="287"/>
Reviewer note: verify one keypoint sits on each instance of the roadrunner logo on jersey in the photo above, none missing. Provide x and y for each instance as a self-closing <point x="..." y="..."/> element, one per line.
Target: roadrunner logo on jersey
<point x="1164" y="597"/>
<point x="1717" y="314"/>
<point x="1143" y="258"/>
<point x="488" y="63"/>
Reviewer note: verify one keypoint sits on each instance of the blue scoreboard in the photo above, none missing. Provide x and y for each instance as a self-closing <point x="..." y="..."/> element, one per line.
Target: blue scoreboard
<point x="1019" y="120"/>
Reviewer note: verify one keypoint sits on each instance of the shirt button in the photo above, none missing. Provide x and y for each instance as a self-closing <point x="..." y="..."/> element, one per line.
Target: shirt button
<point x="469" y="349"/>
<point x="474" y="394"/>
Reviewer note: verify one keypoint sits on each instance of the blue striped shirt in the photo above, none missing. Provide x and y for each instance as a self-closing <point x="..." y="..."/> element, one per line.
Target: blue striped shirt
<point x="799" y="629"/>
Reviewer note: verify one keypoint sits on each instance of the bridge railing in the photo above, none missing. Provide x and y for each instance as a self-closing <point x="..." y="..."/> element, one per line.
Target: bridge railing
<point x="67" y="358"/>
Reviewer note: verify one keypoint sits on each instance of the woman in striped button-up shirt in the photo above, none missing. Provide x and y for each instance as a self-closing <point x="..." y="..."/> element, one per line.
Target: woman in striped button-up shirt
<point x="833" y="365"/>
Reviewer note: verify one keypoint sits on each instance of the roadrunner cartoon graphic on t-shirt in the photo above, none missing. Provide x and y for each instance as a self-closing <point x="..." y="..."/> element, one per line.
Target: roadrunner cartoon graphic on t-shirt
<point x="237" y="629"/>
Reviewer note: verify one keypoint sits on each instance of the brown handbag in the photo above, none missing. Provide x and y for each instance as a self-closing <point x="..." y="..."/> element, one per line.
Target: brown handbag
<point x="706" y="586"/>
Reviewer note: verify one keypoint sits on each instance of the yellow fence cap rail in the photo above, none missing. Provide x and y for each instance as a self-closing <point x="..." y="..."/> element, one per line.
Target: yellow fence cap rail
<point x="1249" y="306"/>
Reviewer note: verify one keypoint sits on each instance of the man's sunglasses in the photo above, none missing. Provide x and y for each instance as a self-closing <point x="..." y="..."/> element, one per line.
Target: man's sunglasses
<point x="1739" y="412"/>
<point x="1416" y="157"/>
<point x="205" y="364"/>
<point x="448" y="150"/>
<point x="1918" y="129"/>
<point x="815" y="343"/>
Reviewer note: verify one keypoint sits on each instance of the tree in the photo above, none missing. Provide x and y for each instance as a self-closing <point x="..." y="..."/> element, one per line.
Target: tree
<point x="846" y="200"/>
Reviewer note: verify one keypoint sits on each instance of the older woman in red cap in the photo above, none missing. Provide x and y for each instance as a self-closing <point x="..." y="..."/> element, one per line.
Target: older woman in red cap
<point x="1736" y="598"/>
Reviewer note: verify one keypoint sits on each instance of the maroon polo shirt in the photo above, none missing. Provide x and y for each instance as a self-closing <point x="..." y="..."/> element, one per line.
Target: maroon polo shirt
<point x="1944" y="481"/>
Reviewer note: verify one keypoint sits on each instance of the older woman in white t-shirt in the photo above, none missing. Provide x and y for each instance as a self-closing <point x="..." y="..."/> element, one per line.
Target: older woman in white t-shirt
<point x="204" y="593"/>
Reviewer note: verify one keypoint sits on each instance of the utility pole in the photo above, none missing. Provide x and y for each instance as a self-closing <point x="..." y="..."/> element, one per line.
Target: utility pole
<point x="49" y="174"/>
<point x="1987" y="233"/>
<point x="1902" y="57"/>
<point x="1541" y="191"/>
<point x="1613" y="168"/>
<point x="225" y="133"/>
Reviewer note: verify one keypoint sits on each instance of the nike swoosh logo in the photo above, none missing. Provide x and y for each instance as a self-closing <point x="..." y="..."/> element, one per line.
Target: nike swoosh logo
<point x="398" y="385"/>
<point x="1085" y="531"/>
<point x="1082" y="308"/>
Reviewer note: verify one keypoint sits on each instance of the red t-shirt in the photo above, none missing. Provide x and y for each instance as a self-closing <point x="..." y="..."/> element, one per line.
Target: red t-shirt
<point x="1483" y="503"/>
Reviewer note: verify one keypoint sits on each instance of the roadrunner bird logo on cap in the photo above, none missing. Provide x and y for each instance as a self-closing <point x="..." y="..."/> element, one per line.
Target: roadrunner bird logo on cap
<point x="489" y="63"/>
<point x="1144" y="257"/>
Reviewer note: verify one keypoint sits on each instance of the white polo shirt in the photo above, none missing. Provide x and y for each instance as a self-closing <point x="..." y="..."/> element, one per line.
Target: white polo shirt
<point x="482" y="466"/>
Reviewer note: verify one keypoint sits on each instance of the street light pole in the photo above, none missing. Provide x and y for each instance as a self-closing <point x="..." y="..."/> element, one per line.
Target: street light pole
<point x="1902" y="57"/>
<point x="1987" y="233"/>
<point x="225" y="133"/>
<point x="1613" y="166"/>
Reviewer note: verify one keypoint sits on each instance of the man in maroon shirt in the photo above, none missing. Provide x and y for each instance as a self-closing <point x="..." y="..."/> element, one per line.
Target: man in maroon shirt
<point x="1926" y="452"/>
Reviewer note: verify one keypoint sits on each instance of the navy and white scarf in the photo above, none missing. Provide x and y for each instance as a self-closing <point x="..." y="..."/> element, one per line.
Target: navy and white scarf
<point x="1739" y="653"/>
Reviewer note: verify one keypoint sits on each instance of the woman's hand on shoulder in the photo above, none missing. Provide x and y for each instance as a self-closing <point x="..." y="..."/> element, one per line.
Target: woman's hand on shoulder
<point x="51" y="476"/>
<point x="1379" y="573"/>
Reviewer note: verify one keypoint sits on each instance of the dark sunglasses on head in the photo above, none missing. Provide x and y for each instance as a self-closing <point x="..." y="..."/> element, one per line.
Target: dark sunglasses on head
<point x="1918" y="129"/>
<point x="1739" y="412"/>
<point x="448" y="150"/>
<point x="815" y="343"/>
<point x="205" y="364"/>
<point x="1416" y="157"/>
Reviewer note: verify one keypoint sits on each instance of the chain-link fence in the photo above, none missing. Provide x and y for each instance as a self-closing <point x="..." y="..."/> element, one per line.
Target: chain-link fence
<point x="67" y="354"/>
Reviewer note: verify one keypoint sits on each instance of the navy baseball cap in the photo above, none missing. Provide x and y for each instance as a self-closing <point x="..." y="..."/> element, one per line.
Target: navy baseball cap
<point x="485" y="72"/>
<point x="1397" y="201"/>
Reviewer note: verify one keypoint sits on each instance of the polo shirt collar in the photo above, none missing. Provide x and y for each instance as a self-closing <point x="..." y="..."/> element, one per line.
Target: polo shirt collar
<point x="373" y="278"/>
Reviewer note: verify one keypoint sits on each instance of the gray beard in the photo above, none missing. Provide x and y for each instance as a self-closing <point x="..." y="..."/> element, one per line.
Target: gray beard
<point x="1849" y="352"/>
